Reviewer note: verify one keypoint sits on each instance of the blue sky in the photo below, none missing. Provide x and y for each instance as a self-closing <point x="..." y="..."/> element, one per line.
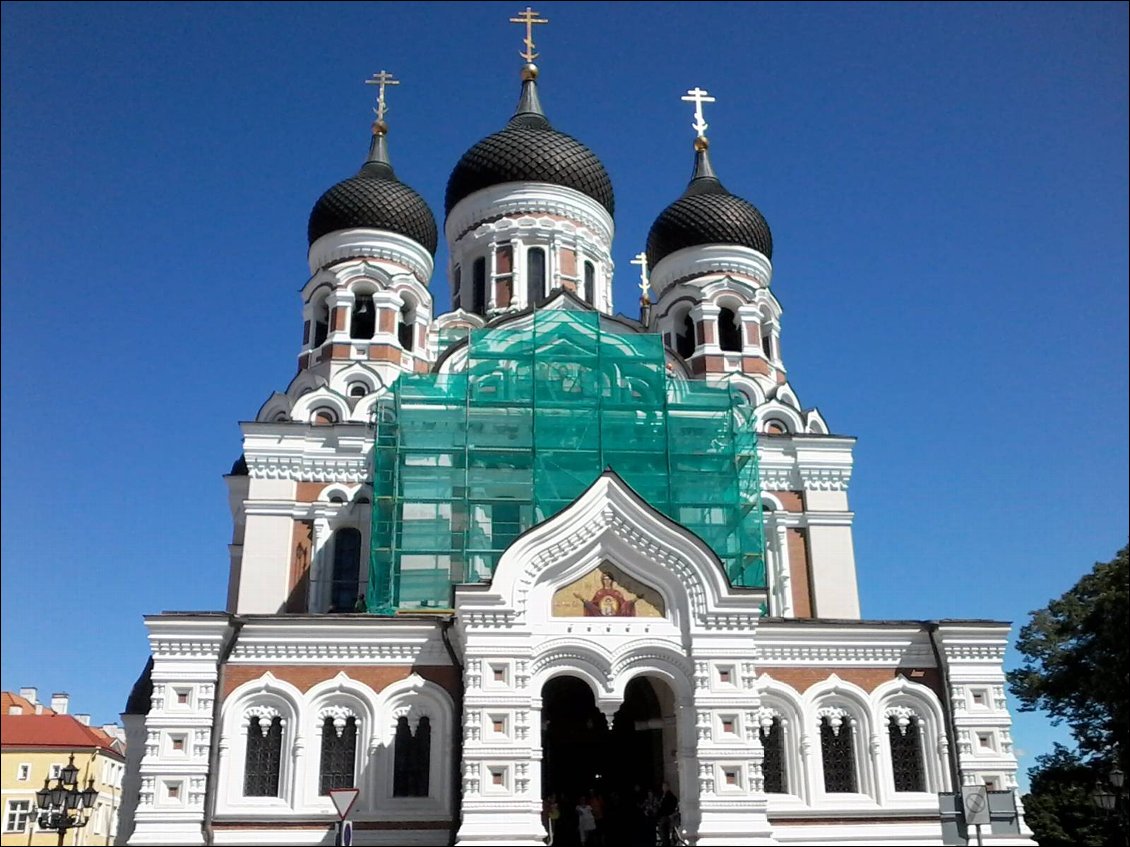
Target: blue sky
<point x="947" y="188"/>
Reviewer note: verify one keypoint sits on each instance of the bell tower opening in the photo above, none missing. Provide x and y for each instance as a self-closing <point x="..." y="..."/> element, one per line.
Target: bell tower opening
<point x="583" y="756"/>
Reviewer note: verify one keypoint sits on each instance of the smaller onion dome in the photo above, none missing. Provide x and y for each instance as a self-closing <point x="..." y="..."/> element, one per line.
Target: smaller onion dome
<point x="374" y="199"/>
<point x="528" y="149"/>
<point x="707" y="214"/>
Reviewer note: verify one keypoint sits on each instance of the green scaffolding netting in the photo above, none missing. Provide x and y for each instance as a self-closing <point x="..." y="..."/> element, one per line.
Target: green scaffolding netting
<point x="464" y="463"/>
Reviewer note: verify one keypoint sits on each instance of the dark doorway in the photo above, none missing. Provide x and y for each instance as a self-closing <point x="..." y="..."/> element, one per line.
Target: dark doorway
<point x="581" y="755"/>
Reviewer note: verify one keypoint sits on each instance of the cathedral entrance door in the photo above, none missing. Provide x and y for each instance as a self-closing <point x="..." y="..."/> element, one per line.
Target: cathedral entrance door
<point x="583" y="756"/>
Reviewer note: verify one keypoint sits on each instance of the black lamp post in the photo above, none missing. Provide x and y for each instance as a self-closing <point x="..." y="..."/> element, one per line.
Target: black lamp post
<point x="1112" y="802"/>
<point x="65" y="806"/>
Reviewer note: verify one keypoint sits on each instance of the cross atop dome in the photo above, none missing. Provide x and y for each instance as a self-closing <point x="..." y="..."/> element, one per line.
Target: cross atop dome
<point x="381" y="80"/>
<point x="529" y="17"/>
<point x="698" y="96"/>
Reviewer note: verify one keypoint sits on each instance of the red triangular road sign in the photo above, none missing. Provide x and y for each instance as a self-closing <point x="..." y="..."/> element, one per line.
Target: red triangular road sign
<point x="343" y="799"/>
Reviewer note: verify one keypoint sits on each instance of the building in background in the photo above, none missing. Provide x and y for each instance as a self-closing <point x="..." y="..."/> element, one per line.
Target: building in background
<point x="36" y="743"/>
<point x="525" y="547"/>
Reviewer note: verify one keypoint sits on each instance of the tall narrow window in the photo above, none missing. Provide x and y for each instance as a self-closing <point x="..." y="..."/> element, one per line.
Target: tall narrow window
<point x="339" y="751"/>
<point x="684" y="337"/>
<point x="364" y="322"/>
<point x="767" y="342"/>
<point x="412" y="759"/>
<point x="264" y="757"/>
<point x="590" y="283"/>
<point x="535" y="276"/>
<point x="346" y="570"/>
<point x="406" y="331"/>
<point x="321" y="322"/>
<point x="906" y="752"/>
<point x="479" y="287"/>
<point x="456" y="285"/>
<point x="773" y="765"/>
<point x="729" y="332"/>
<point x="839" y="755"/>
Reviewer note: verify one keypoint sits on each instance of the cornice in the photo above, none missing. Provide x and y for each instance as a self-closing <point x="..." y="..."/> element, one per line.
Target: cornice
<point x="371" y="244"/>
<point x="528" y="198"/>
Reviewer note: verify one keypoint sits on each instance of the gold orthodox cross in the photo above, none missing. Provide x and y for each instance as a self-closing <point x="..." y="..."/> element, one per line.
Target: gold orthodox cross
<point x="529" y="18"/>
<point x="381" y="80"/>
<point x="698" y="96"/>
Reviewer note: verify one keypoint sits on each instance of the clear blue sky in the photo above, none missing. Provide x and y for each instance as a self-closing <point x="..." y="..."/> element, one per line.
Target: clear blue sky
<point x="947" y="188"/>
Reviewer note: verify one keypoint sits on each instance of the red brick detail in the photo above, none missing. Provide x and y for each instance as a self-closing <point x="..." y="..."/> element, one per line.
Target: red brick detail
<point x="503" y="291"/>
<point x="752" y="333"/>
<point x="791" y="501"/>
<point x="384" y="353"/>
<point x="307" y="492"/>
<point x="304" y="677"/>
<point x="802" y="679"/>
<point x="714" y="364"/>
<point x="754" y="365"/>
<point x="339" y="317"/>
<point x="707" y="332"/>
<point x="386" y="320"/>
<point x="504" y="260"/>
<point x="302" y="543"/>
<point x="337" y="351"/>
<point x="569" y="285"/>
<point x="800" y="572"/>
<point x="304" y="361"/>
<point x="568" y="259"/>
<point x="781" y="378"/>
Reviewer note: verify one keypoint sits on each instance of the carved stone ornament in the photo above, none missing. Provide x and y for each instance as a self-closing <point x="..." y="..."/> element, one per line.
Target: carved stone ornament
<point x="903" y="715"/>
<point x="264" y="715"/>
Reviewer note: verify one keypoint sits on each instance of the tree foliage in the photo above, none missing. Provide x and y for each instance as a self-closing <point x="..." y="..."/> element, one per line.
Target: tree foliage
<point x="1077" y="668"/>
<point x="1077" y="659"/>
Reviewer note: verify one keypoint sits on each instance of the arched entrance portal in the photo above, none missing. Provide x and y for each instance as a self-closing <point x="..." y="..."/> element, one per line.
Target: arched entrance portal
<point x="582" y="754"/>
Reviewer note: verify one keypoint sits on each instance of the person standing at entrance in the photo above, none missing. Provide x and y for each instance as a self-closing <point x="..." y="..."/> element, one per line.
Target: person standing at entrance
<point x="586" y="823"/>
<point x="668" y="809"/>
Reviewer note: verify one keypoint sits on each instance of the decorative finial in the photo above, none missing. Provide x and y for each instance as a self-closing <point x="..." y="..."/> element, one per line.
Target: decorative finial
<point x="644" y="286"/>
<point x="698" y="96"/>
<point x="529" y="18"/>
<point x="382" y="79"/>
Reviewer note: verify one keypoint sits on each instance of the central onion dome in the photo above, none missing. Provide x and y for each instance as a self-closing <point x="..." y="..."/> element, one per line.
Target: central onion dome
<point x="529" y="150"/>
<point x="707" y="213"/>
<point x="374" y="199"/>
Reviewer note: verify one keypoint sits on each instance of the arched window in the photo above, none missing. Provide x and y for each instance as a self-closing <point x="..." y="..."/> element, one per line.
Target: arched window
<point x="905" y="732"/>
<point x="535" y="276"/>
<point x="837" y="747"/>
<point x="339" y="751"/>
<point x="358" y="389"/>
<point x="264" y="756"/>
<point x="346" y="570"/>
<point x="773" y="765"/>
<point x="321" y="322"/>
<point x="479" y="287"/>
<point x="364" y="321"/>
<point x="729" y="331"/>
<point x="684" y="337"/>
<point x="767" y="341"/>
<point x="406" y="331"/>
<point x="590" y="283"/>
<point x="456" y="283"/>
<point x="412" y="758"/>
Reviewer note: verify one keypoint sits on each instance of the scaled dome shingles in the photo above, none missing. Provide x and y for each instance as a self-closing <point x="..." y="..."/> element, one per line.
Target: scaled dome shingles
<point x="713" y="216"/>
<point x="369" y="202"/>
<point x="523" y="153"/>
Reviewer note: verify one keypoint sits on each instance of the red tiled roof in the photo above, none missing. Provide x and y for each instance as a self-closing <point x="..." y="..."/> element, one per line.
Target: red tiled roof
<point x="8" y="699"/>
<point x="49" y="731"/>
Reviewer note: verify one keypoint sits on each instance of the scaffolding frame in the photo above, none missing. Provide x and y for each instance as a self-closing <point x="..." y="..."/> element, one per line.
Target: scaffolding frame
<point x="463" y="463"/>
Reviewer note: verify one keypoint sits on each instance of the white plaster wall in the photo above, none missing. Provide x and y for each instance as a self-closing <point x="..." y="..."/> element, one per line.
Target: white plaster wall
<point x="834" y="584"/>
<point x="266" y="563"/>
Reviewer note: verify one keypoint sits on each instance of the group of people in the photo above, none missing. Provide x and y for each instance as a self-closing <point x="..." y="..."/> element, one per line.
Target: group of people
<point x="644" y="819"/>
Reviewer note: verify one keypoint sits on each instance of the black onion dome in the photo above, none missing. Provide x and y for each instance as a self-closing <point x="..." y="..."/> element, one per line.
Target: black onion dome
<point x="707" y="214"/>
<point x="374" y="199"/>
<point x="529" y="150"/>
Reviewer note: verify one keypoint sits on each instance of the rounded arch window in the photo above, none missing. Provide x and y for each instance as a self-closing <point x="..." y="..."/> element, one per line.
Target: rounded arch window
<point x="685" y="342"/>
<point x="406" y="325"/>
<point x="320" y="317"/>
<point x="358" y="389"/>
<point x="535" y="276"/>
<point x="323" y="416"/>
<point x="363" y="323"/>
<point x="775" y="426"/>
<point x="729" y="331"/>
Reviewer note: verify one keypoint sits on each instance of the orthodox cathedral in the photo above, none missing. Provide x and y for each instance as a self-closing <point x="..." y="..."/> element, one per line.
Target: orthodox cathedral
<point x="493" y="555"/>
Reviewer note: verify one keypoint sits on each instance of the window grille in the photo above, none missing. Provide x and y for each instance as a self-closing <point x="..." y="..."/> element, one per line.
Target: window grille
<point x="264" y="758"/>
<point x="535" y="275"/>
<point x="906" y="753"/>
<point x="338" y="755"/>
<point x="412" y="759"/>
<point x="836" y="743"/>
<point x="773" y="765"/>
<point x="346" y="571"/>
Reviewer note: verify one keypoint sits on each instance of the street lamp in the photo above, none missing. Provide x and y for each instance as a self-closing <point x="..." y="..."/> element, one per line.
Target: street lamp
<point x="1109" y="801"/>
<point x="65" y="806"/>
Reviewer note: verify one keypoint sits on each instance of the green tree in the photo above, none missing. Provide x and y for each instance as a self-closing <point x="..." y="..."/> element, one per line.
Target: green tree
<point x="1077" y="668"/>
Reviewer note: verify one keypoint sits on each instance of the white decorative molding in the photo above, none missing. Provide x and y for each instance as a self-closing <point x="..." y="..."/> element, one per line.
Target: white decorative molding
<point x="372" y="244"/>
<point x="510" y="199"/>
<point x="704" y="259"/>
